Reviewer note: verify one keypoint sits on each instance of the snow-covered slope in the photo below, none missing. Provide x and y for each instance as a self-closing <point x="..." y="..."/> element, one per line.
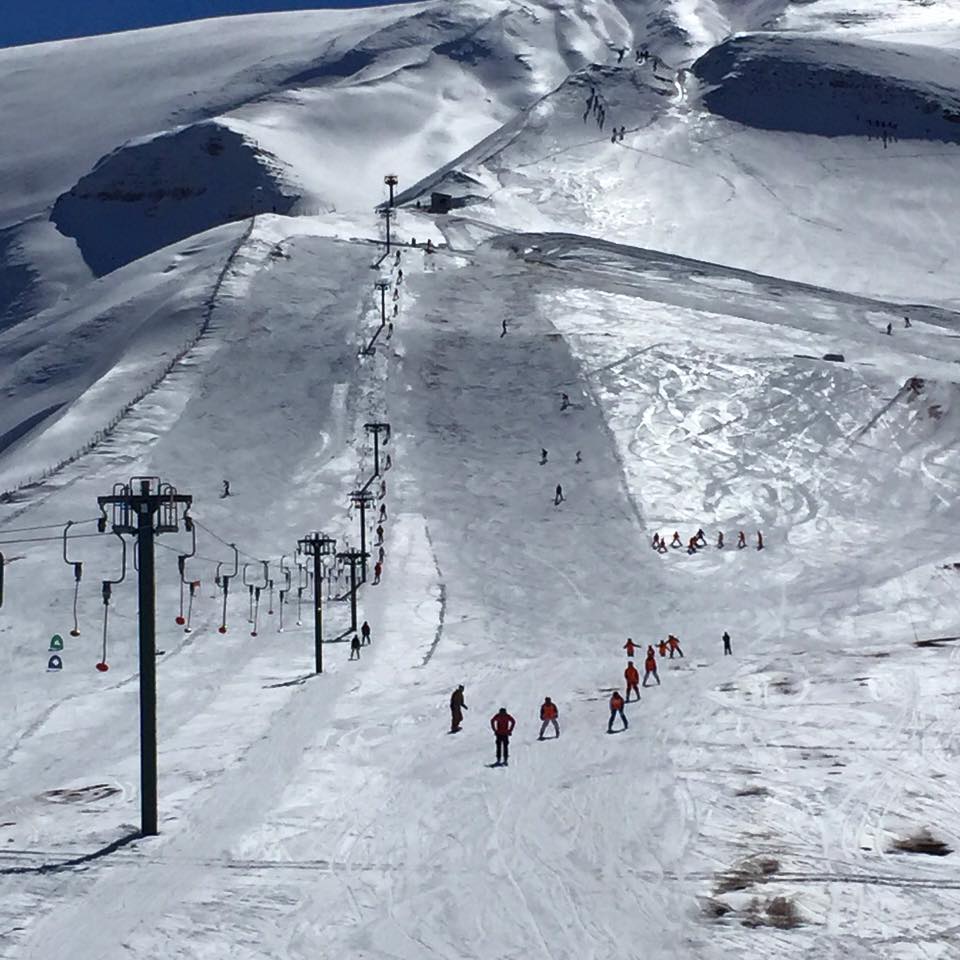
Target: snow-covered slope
<point x="748" y="302"/>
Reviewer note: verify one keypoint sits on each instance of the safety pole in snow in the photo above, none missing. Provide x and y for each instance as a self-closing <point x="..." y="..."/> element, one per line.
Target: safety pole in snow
<point x="353" y="557"/>
<point x="318" y="546"/>
<point x="376" y="429"/>
<point x="391" y="181"/>
<point x="156" y="508"/>
<point x="362" y="499"/>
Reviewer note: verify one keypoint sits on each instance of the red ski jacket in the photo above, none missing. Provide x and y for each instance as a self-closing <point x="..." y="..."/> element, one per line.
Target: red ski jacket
<point x="502" y="724"/>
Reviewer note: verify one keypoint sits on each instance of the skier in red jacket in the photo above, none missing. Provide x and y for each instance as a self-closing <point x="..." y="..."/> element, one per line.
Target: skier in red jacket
<point x="502" y="725"/>
<point x="548" y="715"/>
<point x="650" y="667"/>
<point x="629" y="646"/>
<point x="632" y="676"/>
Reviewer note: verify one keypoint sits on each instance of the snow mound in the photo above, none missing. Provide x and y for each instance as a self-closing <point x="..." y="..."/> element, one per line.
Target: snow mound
<point x="157" y="191"/>
<point x="833" y="88"/>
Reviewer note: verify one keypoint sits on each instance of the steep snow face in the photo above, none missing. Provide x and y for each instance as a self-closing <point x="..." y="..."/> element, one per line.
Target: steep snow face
<point x="834" y="89"/>
<point x="156" y="192"/>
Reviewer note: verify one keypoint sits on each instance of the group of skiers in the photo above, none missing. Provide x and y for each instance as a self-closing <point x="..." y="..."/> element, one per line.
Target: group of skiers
<point x="698" y="541"/>
<point x="502" y="723"/>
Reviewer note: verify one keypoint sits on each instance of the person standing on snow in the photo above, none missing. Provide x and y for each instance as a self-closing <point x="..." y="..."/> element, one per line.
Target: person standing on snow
<point x="377" y="570"/>
<point x="720" y="540"/>
<point x="616" y="706"/>
<point x="457" y="706"/>
<point x="355" y="647"/>
<point x="543" y="456"/>
<point x="365" y="632"/>
<point x="656" y="541"/>
<point x="629" y="646"/>
<point x="558" y="496"/>
<point x="650" y="667"/>
<point x="674" y="644"/>
<point x="759" y="540"/>
<point x="741" y="540"/>
<point x="632" y="676"/>
<point x="548" y="715"/>
<point x="676" y="541"/>
<point x="727" y="652"/>
<point x="383" y="512"/>
<point x="662" y="648"/>
<point x="226" y="490"/>
<point x="379" y="535"/>
<point x="502" y="724"/>
<point x="564" y="401"/>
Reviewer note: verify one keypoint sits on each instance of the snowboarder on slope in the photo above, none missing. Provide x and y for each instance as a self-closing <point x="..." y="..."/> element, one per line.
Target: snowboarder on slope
<point x="727" y="652"/>
<point x="457" y="706"/>
<point x="616" y="706"/>
<point x="502" y="725"/>
<point x="650" y="667"/>
<point x="548" y="715"/>
<point x="632" y="676"/>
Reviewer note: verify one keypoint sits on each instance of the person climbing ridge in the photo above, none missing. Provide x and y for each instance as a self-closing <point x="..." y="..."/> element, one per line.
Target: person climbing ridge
<point x="650" y="667"/>
<point x="741" y="540"/>
<point x="377" y="570"/>
<point x="548" y="715"/>
<point x="676" y="542"/>
<point x="457" y="706"/>
<point x="226" y="489"/>
<point x="558" y="497"/>
<point x="502" y="725"/>
<point x="629" y="646"/>
<point x="759" y="540"/>
<point x="355" y="647"/>
<point x="720" y="540"/>
<point x="543" y="456"/>
<point x="632" y="676"/>
<point x="727" y="652"/>
<point x="365" y="632"/>
<point x="674" y="644"/>
<point x="616" y="706"/>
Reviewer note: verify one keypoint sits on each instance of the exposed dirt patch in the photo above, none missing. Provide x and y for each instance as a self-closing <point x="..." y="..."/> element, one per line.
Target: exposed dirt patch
<point x="746" y="873"/>
<point x="96" y="791"/>
<point x="921" y="842"/>
<point x="780" y="912"/>
<point x="753" y="791"/>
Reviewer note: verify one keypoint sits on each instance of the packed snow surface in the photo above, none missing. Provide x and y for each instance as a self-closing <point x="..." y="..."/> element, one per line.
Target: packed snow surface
<point x="690" y="266"/>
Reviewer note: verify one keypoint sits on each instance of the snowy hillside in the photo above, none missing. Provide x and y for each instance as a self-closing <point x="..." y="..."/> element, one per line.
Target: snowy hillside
<point x="689" y="266"/>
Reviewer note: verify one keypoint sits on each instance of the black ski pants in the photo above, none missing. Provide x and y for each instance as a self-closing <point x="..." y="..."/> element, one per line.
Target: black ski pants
<point x="503" y="747"/>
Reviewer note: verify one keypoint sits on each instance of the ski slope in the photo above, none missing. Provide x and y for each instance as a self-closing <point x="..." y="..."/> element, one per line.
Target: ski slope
<point x="198" y="312"/>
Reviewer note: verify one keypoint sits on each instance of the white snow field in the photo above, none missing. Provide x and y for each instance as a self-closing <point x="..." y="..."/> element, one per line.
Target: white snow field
<point x="190" y="235"/>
